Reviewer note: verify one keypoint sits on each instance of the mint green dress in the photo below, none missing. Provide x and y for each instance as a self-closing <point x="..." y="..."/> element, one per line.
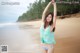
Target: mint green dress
<point x="46" y="35"/>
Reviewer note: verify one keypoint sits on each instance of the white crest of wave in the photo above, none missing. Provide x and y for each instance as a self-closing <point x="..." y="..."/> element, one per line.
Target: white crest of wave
<point x="6" y="24"/>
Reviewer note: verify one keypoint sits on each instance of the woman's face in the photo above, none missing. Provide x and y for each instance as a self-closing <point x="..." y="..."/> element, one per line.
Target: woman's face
<point x="49" y="17"/>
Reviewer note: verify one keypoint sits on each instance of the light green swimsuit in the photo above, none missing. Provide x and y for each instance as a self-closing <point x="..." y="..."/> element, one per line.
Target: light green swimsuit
<point x="46" y="35"/>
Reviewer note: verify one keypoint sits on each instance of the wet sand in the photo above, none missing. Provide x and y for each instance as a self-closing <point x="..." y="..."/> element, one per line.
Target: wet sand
<point x="24" y="37"/>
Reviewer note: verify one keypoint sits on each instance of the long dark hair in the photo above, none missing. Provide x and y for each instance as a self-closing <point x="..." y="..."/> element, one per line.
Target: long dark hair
<point x="51" y="22"/>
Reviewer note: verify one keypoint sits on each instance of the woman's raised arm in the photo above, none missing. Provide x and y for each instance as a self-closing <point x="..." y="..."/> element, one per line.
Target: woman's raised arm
<point x="55" y="14"/>
<point x="45" y="11"/>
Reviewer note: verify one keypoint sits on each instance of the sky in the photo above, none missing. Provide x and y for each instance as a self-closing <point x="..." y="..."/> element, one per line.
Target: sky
<point x="10" y="10"/>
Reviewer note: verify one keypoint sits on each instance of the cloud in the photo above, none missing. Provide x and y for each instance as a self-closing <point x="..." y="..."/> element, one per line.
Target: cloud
<point x="12" y="11"/>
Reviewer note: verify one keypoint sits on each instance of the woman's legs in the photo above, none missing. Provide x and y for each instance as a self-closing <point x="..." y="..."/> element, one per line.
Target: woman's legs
<point x="48" y="48"/>
<point x="46" y="51"/>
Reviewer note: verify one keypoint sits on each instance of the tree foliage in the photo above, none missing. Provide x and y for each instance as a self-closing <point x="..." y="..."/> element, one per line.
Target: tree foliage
<point x="35" y="9"/>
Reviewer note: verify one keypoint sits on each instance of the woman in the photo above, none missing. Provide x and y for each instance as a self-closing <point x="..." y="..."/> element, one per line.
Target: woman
<point x="47" y="28"/>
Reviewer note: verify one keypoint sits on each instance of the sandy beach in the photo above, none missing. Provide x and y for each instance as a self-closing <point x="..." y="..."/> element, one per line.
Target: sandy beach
<point x="24" y="37"/>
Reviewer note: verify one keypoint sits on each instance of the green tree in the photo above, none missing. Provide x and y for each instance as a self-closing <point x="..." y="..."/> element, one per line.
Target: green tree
<point x="35" y="9"/>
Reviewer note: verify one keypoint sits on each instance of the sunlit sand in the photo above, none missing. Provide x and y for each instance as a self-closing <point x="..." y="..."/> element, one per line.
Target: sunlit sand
<point x="24" y="37"/>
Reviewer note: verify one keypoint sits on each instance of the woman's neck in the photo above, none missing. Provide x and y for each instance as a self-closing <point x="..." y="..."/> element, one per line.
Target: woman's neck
<point x="47" y="24"/>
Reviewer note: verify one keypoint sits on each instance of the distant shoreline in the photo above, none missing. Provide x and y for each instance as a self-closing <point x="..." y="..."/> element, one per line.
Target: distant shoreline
<point x="77" y="15"/>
